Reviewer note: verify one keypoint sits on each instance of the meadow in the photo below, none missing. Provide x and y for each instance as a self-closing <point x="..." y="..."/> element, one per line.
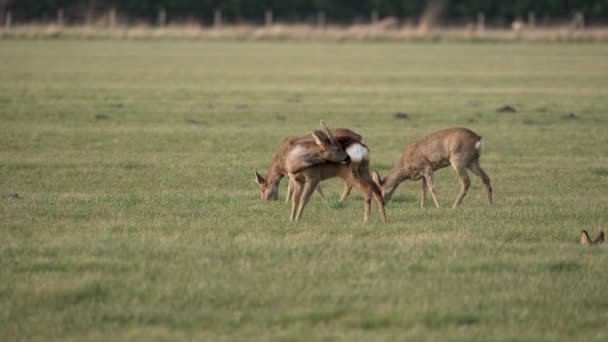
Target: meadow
<point x="129" y="211"/>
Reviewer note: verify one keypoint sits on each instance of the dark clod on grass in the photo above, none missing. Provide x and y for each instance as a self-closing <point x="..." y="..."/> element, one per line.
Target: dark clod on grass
<point x="570" y="116"/>
<point x="401" y="116"/>
<point x="195" y="122"/>
<point x="280" y="118"/>
<point x="506" y="109"/>
<point x="528" y="122"/>
<point x="101" y="117"/>
<point x="12" y="195"/>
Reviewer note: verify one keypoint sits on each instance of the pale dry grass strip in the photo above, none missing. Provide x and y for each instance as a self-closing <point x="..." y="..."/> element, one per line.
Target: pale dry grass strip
<point x="306" y="32"/>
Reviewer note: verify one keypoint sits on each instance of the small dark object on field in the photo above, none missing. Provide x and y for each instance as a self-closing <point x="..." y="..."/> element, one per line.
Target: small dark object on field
<point x="195" y="122"/>
<point x="101" y="117"/>
<point x="570" y="116"/>
<point x="528" y="122"/>
<point x="117" y="105"/>
<point x="586" y="240"/>
<point x="295" y="99"/>
<point x="471" y="120"/>
<point x="402" y="116"/>
<point x="280" y="118"/>
<point x="506" y="109"/>
<point x="12" y="195"/>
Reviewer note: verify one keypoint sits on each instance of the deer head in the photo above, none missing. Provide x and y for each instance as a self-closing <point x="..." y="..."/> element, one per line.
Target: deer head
<point x="268" y="191"/>
<point x="329" y="148"/>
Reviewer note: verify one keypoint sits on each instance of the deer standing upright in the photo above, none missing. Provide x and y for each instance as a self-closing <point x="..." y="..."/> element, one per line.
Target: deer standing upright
<point x="458" y="147"/>
<point x="355" y="174"/>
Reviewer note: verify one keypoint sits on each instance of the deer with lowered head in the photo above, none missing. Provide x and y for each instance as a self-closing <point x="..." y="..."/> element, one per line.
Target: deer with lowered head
<point x="458" y="147"/>
<point x="298" y="152"/>
<point x="356" y="173"/>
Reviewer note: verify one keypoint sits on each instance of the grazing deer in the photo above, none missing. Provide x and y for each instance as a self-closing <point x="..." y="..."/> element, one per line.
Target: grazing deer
<point x="586" y="240"/>
<point x="458" y="147"/>
<point x="269" y="186"/>
<point x="356" y="173"/>
<point x="296" y="153"/>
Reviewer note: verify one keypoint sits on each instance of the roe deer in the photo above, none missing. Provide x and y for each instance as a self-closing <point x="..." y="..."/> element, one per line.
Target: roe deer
<point x="356" y="173"/>
<point x="458" y="147"/>
<point x="586" y="240"/>
<point x="296" y="153"/>
<point x="269" y="186"/>
<point x="346" y="138"/>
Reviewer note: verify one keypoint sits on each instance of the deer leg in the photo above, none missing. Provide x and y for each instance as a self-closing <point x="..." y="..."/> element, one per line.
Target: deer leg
<point x="380" y="202"/>
<point x="423" y="193"/>
<point x="478" y="171"/>
<point x="428" y="176"/>
<point x="346" y="192"/>
<point x="309" y="188"/>
<point x="465" y="182"/>
<point x="289" y="194"/>
<point x="320" y="191"/>
<point x="295" y="199"/>
<point x="367" y="186"/>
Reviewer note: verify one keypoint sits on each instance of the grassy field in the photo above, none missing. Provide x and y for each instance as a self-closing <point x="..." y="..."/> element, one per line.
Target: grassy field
<point x="129" y="211"/>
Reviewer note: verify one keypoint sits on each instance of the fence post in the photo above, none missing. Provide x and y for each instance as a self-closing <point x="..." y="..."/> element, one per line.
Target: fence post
<point x="321" y="20"/>
<point x="162" y="17"/>
<point x="531" y="20"/>
<point x="374" y="17"/>
<point x="8" y="19"/>
<point x="268" y="18"/>
<point x="60" y="17"/>
<point x="112" y="17"/>
<point x="481" y="22"/>
<point x="217" y="18"/>
<point x="578" y="21"/>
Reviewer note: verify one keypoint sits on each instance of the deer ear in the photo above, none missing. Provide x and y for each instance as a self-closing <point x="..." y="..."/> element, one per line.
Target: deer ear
<point x="259" y="179"/>
<point x="585" y="240"/>
<point x="318" y="138"/>
<point x="376" y="177"/>
<point x="599" y="238"/>
<point x="325" y="129"/>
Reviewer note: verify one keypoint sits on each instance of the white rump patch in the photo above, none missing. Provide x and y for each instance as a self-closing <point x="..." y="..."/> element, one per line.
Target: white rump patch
<point x="357" y="152"/>
<point x="296" y="153"/>
<point x="479" y="145"/>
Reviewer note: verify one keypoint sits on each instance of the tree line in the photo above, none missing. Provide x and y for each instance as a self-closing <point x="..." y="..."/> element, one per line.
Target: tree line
<point x="337" y="11"/>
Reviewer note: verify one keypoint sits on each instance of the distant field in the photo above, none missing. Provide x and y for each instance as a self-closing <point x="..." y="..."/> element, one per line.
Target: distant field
<point x="136" y="215"/>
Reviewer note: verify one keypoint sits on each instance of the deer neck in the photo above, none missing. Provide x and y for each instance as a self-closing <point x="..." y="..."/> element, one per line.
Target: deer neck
<point x="395" y="177"/>
<point x="274" y="176"/>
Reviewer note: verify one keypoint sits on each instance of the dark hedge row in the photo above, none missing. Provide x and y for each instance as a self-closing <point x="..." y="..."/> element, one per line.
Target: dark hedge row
<point x="303" y="10"/>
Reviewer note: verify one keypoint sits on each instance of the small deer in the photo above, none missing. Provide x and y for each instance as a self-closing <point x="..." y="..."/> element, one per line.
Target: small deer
<point x="297" y="153"/>
<point x="356" y="173"/>
<point x="458" y="147"/>
<point x="586" y="240"/>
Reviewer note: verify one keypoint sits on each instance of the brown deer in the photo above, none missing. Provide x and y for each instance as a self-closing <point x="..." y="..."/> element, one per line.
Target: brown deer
<point x="296" y="153"/>
<point x="458" y="147"/>
<point x="269" y="186"/>
<point x="356" y="173"/>
<point x="586" y="240"/>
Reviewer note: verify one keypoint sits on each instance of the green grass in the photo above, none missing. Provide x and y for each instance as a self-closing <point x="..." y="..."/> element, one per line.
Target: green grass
<point x="137" y="216"/>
